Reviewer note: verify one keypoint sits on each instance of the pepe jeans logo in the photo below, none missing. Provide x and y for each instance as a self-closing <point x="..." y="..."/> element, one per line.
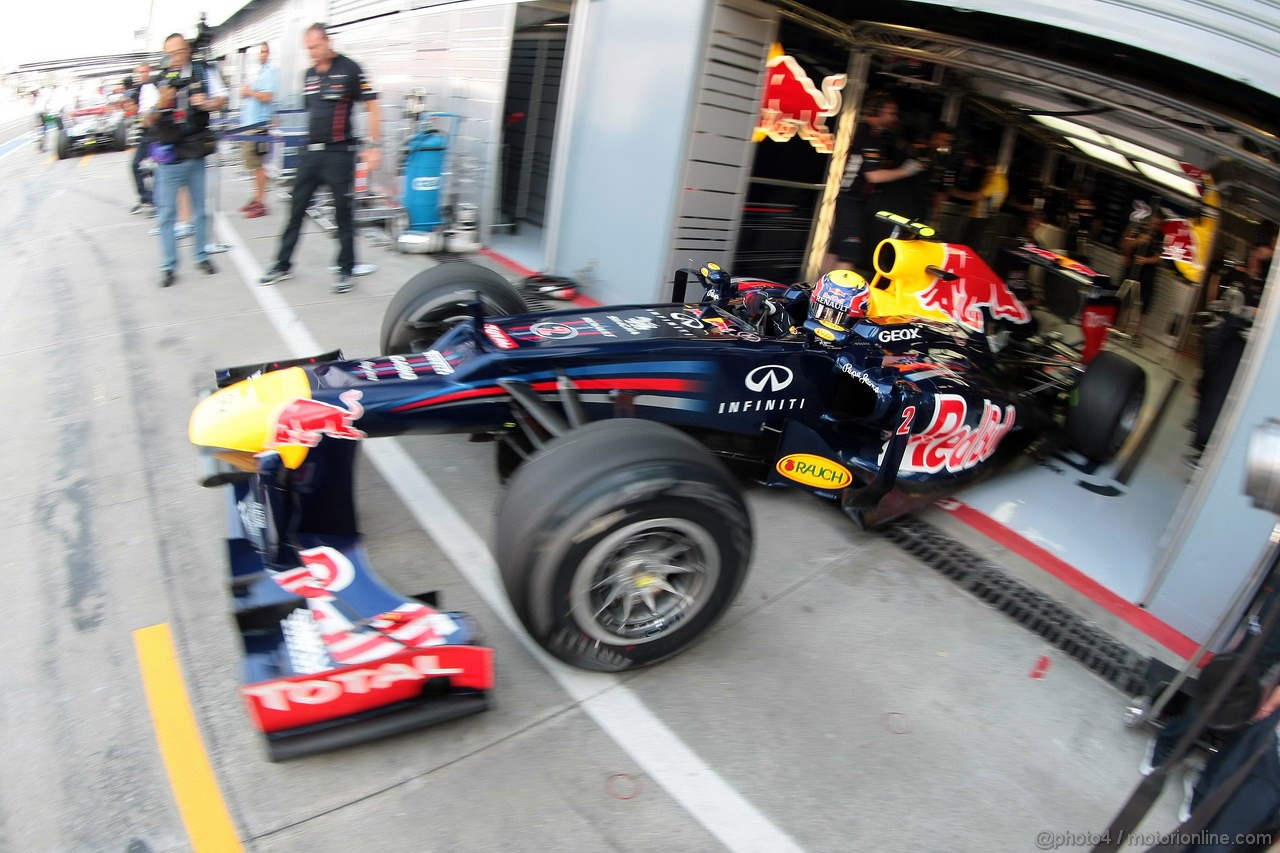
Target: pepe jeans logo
<point x="769" y="377"/>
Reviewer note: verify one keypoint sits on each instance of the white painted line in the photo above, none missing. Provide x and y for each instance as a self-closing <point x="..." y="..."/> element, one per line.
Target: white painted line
<point x="699" y="789"/>
<point x="17" y="142"/>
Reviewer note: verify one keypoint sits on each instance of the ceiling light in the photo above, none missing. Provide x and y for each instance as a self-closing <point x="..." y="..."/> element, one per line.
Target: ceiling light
<point x="1138" y="152"/>
<point x="1177" y="183"/>
<point x="1070" y="128"/>
<point x="1100" y="152"/>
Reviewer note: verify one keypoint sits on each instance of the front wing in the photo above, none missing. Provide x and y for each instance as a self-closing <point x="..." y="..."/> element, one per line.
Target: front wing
<point x="332" y="657"/>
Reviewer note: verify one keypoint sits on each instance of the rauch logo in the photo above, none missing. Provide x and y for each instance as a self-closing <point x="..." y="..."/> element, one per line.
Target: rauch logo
<point x="814" y="471"/>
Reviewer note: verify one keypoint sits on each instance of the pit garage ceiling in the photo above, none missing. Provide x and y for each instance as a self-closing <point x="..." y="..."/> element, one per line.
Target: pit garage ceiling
<point x="1137" y="70"/>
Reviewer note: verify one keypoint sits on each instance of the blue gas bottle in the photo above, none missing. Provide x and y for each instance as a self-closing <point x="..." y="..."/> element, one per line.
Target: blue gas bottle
<point x="423" y="179"/>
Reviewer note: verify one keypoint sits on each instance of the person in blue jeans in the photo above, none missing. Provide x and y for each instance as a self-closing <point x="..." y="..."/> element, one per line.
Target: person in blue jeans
<point x="189" y="93"/>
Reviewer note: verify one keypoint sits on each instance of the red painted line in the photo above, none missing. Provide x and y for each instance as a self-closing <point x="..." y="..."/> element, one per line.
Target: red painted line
<point x="1131" y="613"/>
<point x="521" y="269"/>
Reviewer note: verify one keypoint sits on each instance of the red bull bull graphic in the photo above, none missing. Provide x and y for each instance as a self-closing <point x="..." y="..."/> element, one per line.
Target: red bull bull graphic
<point x="791" y="104"/>
<point x="304" y="421"/>
<point x="971" y="287"/>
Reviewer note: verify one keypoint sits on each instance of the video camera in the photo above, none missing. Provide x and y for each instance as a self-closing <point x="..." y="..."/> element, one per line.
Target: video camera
<point x="199" y="54"/>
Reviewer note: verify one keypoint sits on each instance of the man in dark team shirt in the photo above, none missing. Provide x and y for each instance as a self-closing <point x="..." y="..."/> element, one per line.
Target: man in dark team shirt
<point x="876" y="158"/>
<point x="331" y="88"/>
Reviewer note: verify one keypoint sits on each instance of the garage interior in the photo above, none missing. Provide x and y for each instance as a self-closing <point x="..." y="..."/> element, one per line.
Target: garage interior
<point x="1130" y="130"/>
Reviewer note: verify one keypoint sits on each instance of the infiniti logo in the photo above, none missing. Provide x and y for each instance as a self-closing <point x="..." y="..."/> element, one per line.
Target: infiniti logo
<point x="769" y="377"/>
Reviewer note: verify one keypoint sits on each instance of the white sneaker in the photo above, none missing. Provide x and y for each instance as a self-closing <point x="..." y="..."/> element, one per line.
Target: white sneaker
<point x="183" y="230"/>
<point x="1146" y="768"/>
<point x="1190" y="778"/>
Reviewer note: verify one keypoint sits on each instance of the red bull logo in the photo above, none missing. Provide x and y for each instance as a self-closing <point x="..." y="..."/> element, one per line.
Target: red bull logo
<point x="1179" y="241"/>
<point x="974" y="287"/>
<point x="791" y="104"/>
<point x="304" y="422"/>
<point x="951" y="444"/>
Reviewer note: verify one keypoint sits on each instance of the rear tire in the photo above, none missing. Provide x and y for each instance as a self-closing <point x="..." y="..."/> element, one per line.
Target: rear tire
<point x="63" y="145"/>
<point x="435" y="300"/>
<point x="1105" y="406"/>
<point x="621" y="543"/>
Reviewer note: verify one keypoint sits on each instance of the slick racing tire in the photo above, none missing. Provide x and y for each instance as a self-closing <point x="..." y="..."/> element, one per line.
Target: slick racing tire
<point x="120" y="137"/>
<point x="1105" y="405"/>
<point x="621" y="543"/>
<point x="63" y="145"/>
<point x="435" y="300"/>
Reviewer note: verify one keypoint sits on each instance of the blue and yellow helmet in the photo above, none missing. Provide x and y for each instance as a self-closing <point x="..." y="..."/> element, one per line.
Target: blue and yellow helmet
<point x="839" y="299"/>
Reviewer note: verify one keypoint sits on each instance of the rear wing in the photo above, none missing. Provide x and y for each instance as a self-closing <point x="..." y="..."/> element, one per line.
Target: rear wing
<point x="1060" y="264"/>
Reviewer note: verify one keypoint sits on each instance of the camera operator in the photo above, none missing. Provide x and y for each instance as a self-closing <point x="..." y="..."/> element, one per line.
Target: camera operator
<point x="189" y="92"/>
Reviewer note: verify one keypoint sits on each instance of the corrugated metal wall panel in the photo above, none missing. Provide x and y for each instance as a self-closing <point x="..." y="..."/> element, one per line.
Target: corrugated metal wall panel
<point x="347" y="11"/>
<point x="718" y="160"/>
<point x="1239" y="39"/>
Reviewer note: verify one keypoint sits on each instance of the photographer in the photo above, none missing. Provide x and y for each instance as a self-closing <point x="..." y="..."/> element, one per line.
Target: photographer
<point x="179" y="125"/>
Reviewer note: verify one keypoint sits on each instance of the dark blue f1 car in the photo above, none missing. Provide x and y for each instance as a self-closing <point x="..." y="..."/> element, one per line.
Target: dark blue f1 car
<point x="621" y="433"/>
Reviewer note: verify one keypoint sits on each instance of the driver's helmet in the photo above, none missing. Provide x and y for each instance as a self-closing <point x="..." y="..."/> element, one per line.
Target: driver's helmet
<point x="839" y="299"/>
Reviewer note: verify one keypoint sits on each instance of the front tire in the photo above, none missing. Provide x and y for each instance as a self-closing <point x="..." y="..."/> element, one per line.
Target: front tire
<point x="621" y="543"/>
<point x="435" y="300"/>
<point x="1105" y="405"/>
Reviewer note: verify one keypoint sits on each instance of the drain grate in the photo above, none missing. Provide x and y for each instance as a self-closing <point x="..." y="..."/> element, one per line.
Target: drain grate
<point x="1105" y="655"/>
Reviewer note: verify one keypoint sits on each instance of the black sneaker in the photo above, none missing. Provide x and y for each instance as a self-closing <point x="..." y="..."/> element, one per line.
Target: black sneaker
<point x="206" y="267"/>
<point x="1192" y="460"/>
<point x="276" y="273"/>
<point x="138" y="208"/>
<point x="166" y="278"/>
<point x="343" y="284"/>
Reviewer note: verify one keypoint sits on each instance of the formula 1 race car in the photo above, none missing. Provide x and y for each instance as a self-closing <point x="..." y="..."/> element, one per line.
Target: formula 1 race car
<point x="85" y="128"/>
<point x="621" y="431"/>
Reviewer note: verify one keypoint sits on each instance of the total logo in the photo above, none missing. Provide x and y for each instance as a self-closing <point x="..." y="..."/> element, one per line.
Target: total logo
<point x="282" y="695"/>
<point x="499" y="338"/>
<point x="814" y="471"/>
<point x="426" y="184"/>
<point x="891" y="335"/>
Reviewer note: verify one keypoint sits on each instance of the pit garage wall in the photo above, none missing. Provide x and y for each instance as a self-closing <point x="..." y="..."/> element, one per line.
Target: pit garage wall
<point x="634" y="77"/>
<point x="1238" y="39"/>
<point x="1217" y="536"/>
<point x="455" y="52"/>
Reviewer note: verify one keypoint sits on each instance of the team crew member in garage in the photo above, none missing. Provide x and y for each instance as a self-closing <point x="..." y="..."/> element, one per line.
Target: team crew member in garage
<point x="876" y="157"/>
<point x="332" y="87"/>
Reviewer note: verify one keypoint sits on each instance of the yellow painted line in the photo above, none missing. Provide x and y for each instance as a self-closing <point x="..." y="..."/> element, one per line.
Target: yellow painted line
<point x="208" y="823"/>
<point x="53" y="158"/>
<point x="85" y="158"/>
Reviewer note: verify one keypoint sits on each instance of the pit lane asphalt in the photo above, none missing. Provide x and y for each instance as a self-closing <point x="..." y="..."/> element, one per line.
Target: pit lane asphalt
<point x="853" y="697"/>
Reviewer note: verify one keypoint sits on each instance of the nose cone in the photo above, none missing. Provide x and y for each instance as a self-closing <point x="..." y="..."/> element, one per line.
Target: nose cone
<point x="243" y="416"/>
